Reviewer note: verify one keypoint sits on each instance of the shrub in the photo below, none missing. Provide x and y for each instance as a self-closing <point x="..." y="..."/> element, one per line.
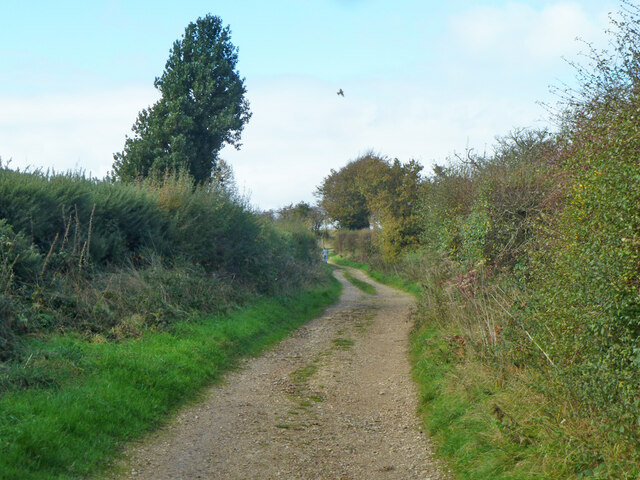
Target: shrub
<point x="20" y="265"/>
<point x="123" y="219"/>
<point x="360" y="245"/>
<point x="94" y="256"/>
<point x="585" y="301"/>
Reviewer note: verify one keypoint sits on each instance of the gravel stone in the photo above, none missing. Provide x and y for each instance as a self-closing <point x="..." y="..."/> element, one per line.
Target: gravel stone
<point x="351" y="416"/>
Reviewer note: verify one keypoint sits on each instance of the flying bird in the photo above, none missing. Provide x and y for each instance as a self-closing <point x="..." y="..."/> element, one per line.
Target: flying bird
<point x="340" y="92"/>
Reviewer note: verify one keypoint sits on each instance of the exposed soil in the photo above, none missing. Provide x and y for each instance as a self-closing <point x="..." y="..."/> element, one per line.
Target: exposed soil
<point x="335" y="400"/>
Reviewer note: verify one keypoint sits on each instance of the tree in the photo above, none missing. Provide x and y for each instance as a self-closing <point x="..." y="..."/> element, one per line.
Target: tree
<point x="202" y="108"/>
<point x="373" y="190"/>
<point x="346" y="194"/>
<point x="310" y="217"/>
<point x="397" y="206"/>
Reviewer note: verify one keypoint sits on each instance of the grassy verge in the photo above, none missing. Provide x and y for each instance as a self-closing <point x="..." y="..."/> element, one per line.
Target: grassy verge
<point x="473" y="418"/>
<point x="89" y="398"/>
<point x="488" y="423"/>
<point x="360" y="285"/>
<point x="386" y="278"/>
<point x="497" y="421"/>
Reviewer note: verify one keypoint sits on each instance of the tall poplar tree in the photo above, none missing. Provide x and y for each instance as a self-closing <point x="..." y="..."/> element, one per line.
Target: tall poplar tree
<point x="202" y="108"/>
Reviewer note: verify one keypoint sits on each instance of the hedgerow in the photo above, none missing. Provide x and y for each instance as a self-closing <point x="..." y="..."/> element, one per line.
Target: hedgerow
<point x="530" y="266"/>
<point x="110" y="258"/>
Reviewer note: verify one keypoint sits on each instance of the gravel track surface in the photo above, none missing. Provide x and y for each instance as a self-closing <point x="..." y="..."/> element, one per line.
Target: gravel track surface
<point x="335" y="400"/>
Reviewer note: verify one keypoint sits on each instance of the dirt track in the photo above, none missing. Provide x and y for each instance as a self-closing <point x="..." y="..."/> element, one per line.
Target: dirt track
<point x="333" y="401"/>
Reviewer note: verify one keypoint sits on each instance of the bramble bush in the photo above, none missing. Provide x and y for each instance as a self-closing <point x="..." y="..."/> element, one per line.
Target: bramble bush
<point x="586" y="293"/>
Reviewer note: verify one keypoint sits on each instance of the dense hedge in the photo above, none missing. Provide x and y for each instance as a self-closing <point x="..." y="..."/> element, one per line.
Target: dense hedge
<point x="74" y="251"/>
<point x="585" y="303"/>
<point x="125" y="221"/>
<point x="534" y="252"/>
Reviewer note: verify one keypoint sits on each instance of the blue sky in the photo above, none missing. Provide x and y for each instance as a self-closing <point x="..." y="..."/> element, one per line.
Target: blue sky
<point x="422" y="79"/>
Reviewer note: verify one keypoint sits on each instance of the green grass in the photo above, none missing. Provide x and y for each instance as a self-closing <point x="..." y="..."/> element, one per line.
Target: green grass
<point x="91" y="398"/>
<point x="359" y="284"/>
<point x="466" y="433"/>
<point x="343" y="343"/>
<point x="302" y="375"/>
<point x="496" y="424"/>
<point x="391" y="279"/>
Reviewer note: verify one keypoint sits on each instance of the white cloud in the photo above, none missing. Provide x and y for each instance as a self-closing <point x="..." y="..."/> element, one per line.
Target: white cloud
<point x="521" y="33"/>
<point x="301" y="129"/>
<point x="71" y="131"/>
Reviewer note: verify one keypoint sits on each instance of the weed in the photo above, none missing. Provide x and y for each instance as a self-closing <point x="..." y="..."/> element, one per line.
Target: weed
<point x="343" y="343"/>
<point x="359" y="284"/>
<point x="303" y="374"/>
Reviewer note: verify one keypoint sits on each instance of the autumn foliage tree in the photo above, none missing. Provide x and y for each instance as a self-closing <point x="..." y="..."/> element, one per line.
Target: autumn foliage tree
<point x="202" y="108"/>
<point x="341" y="197"/>
<point x="374" y="191"/>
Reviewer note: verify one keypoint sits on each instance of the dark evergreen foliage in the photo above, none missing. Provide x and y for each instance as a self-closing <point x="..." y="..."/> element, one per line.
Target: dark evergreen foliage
<point x="202" y="108"/>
